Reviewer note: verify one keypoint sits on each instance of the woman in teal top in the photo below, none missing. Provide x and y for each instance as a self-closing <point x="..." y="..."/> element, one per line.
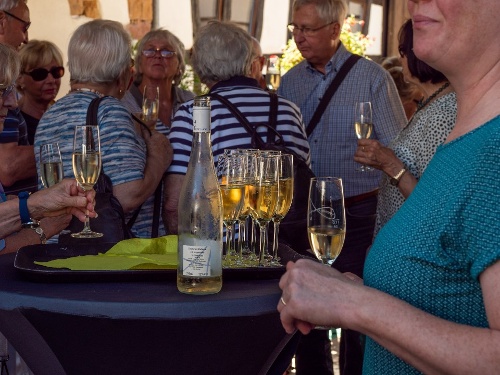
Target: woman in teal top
<point x="430" y="302"/>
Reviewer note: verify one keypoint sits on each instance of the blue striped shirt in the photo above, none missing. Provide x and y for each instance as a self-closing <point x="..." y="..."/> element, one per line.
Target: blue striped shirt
<point x="123" y="150"/>
<point x="333" y="142"/>
<point x="227" y="132"/>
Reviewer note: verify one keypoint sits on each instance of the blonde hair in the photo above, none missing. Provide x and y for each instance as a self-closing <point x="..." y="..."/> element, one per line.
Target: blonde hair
<point x="9" y="65"/>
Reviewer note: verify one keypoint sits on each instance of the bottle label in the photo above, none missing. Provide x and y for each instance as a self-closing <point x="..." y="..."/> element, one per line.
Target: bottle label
<point x="201" y="119"/>
<point x="196" y="260"/>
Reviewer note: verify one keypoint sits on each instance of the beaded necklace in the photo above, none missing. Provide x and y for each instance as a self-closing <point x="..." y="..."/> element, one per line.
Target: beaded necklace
<point x="84" y="89"/>
<point x="422" y="103"/>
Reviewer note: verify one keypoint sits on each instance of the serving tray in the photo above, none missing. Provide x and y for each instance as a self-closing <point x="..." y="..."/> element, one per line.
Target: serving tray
<point x="26" y="257"/>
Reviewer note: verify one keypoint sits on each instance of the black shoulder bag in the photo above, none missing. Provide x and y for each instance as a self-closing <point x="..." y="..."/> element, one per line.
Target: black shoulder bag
<point x="293" y="228"/>
<point x="330" y="91"/>
<point x="111" y="218"/>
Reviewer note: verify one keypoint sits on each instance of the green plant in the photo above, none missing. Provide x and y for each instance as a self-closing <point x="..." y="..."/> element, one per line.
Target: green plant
<point x="355" y="42"/>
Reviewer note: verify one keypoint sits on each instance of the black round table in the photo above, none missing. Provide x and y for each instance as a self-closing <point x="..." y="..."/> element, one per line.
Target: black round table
<point x="144" y="327"/>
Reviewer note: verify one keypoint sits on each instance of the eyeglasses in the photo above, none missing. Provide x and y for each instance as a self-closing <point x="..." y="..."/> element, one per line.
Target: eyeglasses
<point x="165" y="53"/>
<point x="39" y="74"/>
<point x="26" y="24"/>
<point x="5" y="91"/>
<point x="306" y="31"/>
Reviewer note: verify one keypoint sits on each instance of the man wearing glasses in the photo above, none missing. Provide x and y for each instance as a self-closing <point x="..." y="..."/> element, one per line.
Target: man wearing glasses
<point x="17" y="170"/>
<point x="316" y="26"/>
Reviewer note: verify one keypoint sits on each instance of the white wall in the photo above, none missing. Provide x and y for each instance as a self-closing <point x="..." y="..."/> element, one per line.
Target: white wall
<point x="51" y="21"/>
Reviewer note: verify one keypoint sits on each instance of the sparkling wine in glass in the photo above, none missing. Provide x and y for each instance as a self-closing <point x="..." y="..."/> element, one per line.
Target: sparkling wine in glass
<point x="86" y="166"/>
<point x="51" y="168"/>
<point x="273" y="73"/>
<point x="263" y="200"/>
<point x="363" y="126"/>
<point x="285" y="197"/>
<point x="229" y="173"/>
<point x="150" y="104"/>
<point x="326" y="224"/>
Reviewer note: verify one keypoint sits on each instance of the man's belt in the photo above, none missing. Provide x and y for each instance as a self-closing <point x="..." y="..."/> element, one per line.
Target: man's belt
<point x="359" y="198"/>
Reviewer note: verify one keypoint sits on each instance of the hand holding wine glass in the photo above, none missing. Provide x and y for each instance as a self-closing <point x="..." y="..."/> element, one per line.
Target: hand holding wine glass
<point x="86" y="166"/>
<point x="363" y="125"/>
<point x="51" y="168"/>
<point x="273" y="73"/>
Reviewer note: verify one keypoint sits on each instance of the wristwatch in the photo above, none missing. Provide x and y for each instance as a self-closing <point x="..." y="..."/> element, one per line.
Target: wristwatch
<point x="35" y="225"/>
<point x="395" y="180"/>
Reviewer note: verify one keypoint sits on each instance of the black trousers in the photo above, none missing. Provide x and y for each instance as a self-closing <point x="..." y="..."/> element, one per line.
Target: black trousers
<point x="313" y="353"/>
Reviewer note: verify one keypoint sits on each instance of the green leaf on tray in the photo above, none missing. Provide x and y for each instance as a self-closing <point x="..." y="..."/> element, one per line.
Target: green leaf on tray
<point x="136" y="254"/>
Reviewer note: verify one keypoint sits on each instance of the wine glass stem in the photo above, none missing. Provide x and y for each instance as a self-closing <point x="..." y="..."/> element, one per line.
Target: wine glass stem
<point x="275" y="239"/>
<point x="229" y="240"/>
<point x="86" y="223"/>
<point x="242" y="239"/>
<point x="263" y="244"/>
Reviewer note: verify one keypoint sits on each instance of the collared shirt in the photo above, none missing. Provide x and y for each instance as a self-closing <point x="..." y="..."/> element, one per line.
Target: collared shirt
<point x="333" y="142"/>
<point x="227" y="132"/>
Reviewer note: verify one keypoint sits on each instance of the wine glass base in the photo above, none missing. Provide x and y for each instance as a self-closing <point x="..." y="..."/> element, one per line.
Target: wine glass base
<point x="86" y="235"/>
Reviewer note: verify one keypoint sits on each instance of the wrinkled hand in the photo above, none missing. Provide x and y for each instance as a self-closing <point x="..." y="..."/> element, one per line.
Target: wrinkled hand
<point x="315" y="295"/>
<point x="372" y="153"/>
<point x="54" y="225"/>
<point x="66" y="197"/>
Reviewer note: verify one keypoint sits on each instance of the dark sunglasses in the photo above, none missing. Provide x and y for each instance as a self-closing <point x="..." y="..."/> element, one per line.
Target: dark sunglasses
<point x="39" y="74"/>
<point x="165" y="53"/>
<point x="25" y="23"/>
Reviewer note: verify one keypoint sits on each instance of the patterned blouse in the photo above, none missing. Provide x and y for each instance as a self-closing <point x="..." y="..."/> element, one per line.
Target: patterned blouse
<point x="415" y="146"/>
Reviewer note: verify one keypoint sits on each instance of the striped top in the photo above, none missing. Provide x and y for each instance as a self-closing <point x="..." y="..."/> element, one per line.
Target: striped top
<point x="123" y="151"/>
<point x="333" y="142"/>
<point x="227" y="132"/>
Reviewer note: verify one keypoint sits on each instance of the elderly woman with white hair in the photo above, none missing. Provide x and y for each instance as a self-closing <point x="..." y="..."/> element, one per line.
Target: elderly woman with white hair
<point x="159" y="62"/>
<point x="100" y="65"/>
<point x="222" y="57"/>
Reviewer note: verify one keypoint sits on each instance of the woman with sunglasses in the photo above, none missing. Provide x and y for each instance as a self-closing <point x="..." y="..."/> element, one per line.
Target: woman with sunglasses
<point x="159" y="62"/>
<point x="39" y="82"/>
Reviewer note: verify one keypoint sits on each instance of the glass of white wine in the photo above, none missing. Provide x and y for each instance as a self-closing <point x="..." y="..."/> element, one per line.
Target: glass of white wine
<point x="285" y="197"/>
<point x="231" y="183"/>
<point x="263" y="200"/>
<point x="86" y="166"/>
<point x="273" y="73"/>
<point x="363" y="126"/>
<point x="150" y="105"/>
<point x="326" y="223"/>
<point x="51" y="168"/>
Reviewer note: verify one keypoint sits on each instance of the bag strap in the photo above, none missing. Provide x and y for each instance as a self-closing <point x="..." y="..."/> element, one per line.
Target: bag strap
<point x="342" y="73"/>
<point x="257" y="141"/>
<point x="273" y="120"/>
<point x="92" y="120"/>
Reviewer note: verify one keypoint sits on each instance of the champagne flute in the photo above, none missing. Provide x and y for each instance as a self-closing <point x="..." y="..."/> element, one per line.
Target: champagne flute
<point x="285" y="197"/>
<point x="273" y="73"/>
<point x="263" y="200"/>
<point x="363" y="126"/>
<point x="326" y="223"/>
<point x="51" y="168"/>
<point x="248" y="160"/>
<point x="233" y="193"/>
<point x="86" y="166"/>
<point x="150" y="104"/>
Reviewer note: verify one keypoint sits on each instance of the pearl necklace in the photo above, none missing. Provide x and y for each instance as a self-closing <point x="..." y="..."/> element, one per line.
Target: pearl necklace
<point x="422" y="103"/>
<point x="84" y="89"/>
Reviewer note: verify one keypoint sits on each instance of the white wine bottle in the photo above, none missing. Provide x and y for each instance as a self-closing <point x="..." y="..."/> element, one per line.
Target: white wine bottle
<point x="200" y="213"/>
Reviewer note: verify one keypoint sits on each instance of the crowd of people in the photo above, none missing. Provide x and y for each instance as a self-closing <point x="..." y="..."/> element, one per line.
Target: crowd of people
<point x="414" y="288"/>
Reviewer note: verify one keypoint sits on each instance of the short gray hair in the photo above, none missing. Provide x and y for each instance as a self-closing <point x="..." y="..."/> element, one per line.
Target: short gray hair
<point x="10" y="4"/>
<point x="328" y="10"/>
<point x="99" y="52"/>
<point x="169" y="38"/>
<point x="221" y="50"/>
<point x="9" y="65"/>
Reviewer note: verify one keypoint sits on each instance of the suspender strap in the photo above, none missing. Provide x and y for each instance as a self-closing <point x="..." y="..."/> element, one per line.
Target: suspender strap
<point x="342" y="73"/>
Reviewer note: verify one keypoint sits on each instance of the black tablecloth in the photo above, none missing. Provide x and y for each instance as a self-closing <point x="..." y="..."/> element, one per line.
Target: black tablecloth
<point x="143" y="327"/>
